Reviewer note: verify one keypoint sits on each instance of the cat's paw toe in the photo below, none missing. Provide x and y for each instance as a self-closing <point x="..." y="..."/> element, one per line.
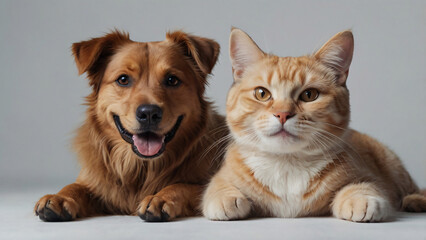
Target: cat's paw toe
<point x="227" y="208"/>
<point x="363" y="208"/>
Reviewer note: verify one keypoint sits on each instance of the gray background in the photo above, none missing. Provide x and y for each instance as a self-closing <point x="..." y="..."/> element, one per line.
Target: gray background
<point x="41" y="94"/>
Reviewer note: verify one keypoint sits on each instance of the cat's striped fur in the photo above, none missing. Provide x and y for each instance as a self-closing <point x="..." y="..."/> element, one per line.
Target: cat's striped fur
<point x="309" y="162"/>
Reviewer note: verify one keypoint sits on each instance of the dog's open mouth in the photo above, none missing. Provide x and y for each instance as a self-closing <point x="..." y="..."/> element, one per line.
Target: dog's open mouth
<point x="147" y="144"/>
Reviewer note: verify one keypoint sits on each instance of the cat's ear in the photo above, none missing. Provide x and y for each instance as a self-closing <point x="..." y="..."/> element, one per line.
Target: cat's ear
<point x="337" y="54"/>
<point x="243" y="52"/>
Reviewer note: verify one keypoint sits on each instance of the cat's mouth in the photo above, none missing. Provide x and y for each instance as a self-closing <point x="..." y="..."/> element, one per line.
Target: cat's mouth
<point x="283" y="134"/>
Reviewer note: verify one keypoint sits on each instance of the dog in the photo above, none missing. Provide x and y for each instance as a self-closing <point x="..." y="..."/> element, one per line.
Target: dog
<point x="151" y="138"/>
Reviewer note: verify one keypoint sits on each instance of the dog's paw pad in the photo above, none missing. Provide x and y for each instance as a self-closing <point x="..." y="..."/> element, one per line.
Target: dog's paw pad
<point x="54" y="208"/>
<point x="156" y="209"/>
<point x="150" y="217"/>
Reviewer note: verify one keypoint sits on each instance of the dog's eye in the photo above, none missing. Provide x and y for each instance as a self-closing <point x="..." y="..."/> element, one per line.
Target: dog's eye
<point x="172" y="81"/>
<point x="123" y="80"/>
<point x="309" y="95"/>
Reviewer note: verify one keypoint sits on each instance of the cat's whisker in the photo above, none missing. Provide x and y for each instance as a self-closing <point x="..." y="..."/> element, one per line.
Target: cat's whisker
<point x="331" y="137"/>
<point x="219" y="154"/>
<point x="328" y="124"/>
<point x="214" y="131"/>
<point x="223" y="140"/>
<point x="342" y="145"/>
<point x="312" y="167"/>
<point x="317" y="132"/>
<point x="336" y="156"/>
<point x="329" y="154"/>
<point x="355" y="161"/>
<point x="340" y="140"/>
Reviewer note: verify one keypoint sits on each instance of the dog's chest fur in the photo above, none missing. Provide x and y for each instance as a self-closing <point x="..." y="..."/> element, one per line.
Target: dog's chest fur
<point x="286" y="177"/>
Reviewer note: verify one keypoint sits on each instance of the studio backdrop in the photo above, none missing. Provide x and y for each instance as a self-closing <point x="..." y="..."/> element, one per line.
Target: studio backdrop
<point x="42" y="95"/>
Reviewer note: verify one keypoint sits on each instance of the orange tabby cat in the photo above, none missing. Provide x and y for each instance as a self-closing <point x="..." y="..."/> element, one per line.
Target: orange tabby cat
<point x="293" y="154"/>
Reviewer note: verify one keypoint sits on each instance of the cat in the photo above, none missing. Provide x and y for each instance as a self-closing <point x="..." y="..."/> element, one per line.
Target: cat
<point x="292" y="153"/>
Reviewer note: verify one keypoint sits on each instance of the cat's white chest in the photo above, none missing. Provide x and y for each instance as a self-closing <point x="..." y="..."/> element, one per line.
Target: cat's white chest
<point x="287" y="178"/>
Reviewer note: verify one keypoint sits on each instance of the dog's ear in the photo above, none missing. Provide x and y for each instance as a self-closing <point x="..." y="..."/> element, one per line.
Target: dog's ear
<point x="92" y="56"/>
<point x="203" y="51"/>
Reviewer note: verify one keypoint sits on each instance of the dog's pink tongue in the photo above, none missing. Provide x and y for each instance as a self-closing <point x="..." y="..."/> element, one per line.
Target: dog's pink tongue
<point x="148" y="145"/>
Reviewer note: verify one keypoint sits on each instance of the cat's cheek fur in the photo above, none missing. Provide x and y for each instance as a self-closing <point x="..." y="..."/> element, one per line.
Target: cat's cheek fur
<point x="362" y="202"/>
<point x="268" y="125"/>
<point x="326" y="168"/>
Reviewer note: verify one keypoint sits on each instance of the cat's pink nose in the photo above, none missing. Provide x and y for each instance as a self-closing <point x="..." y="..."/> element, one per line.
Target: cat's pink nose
<point x="283" y="116"/>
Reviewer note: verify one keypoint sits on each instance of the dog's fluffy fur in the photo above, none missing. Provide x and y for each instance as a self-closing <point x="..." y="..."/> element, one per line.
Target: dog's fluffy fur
<point x="115" y="180"/>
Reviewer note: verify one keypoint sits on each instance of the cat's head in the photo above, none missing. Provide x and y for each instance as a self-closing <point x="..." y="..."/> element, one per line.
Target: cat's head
<point x="289" y="104"/>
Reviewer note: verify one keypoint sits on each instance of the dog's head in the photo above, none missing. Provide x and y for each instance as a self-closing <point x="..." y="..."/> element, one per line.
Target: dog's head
<point x="144" y="93"/>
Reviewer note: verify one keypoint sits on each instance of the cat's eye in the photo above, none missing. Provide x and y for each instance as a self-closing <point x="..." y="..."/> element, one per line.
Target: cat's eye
<point x="262" y="94"/>
<point x="123" y="80"/>
<point x="309" y="95"/>
<point x="172" y="81"/>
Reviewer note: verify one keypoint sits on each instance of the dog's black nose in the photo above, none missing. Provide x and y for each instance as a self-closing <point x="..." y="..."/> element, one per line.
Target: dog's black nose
<point x="149" y="115"/>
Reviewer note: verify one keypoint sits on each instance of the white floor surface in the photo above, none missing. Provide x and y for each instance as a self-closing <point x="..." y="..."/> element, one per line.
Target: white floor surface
<point x="18" y="222"/>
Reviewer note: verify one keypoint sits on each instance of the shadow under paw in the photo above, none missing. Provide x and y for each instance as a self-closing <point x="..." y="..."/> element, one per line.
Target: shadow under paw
<point x="48" y="215"/>
<point x="150" y="217"/>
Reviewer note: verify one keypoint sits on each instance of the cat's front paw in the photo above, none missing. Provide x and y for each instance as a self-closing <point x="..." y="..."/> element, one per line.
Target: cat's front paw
<point x="361" y="207"/>
<point x="227" y="208"/>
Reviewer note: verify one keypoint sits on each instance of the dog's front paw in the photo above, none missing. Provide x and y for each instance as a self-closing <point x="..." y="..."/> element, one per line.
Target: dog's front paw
<point x="227" y="208"/>
<point x="361" y="205"/>
<point x="157" y="209"/>
<point x="55" y="208"/>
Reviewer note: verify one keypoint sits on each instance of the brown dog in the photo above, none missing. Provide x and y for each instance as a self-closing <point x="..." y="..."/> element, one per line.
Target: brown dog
<point x="148" y="143"/>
